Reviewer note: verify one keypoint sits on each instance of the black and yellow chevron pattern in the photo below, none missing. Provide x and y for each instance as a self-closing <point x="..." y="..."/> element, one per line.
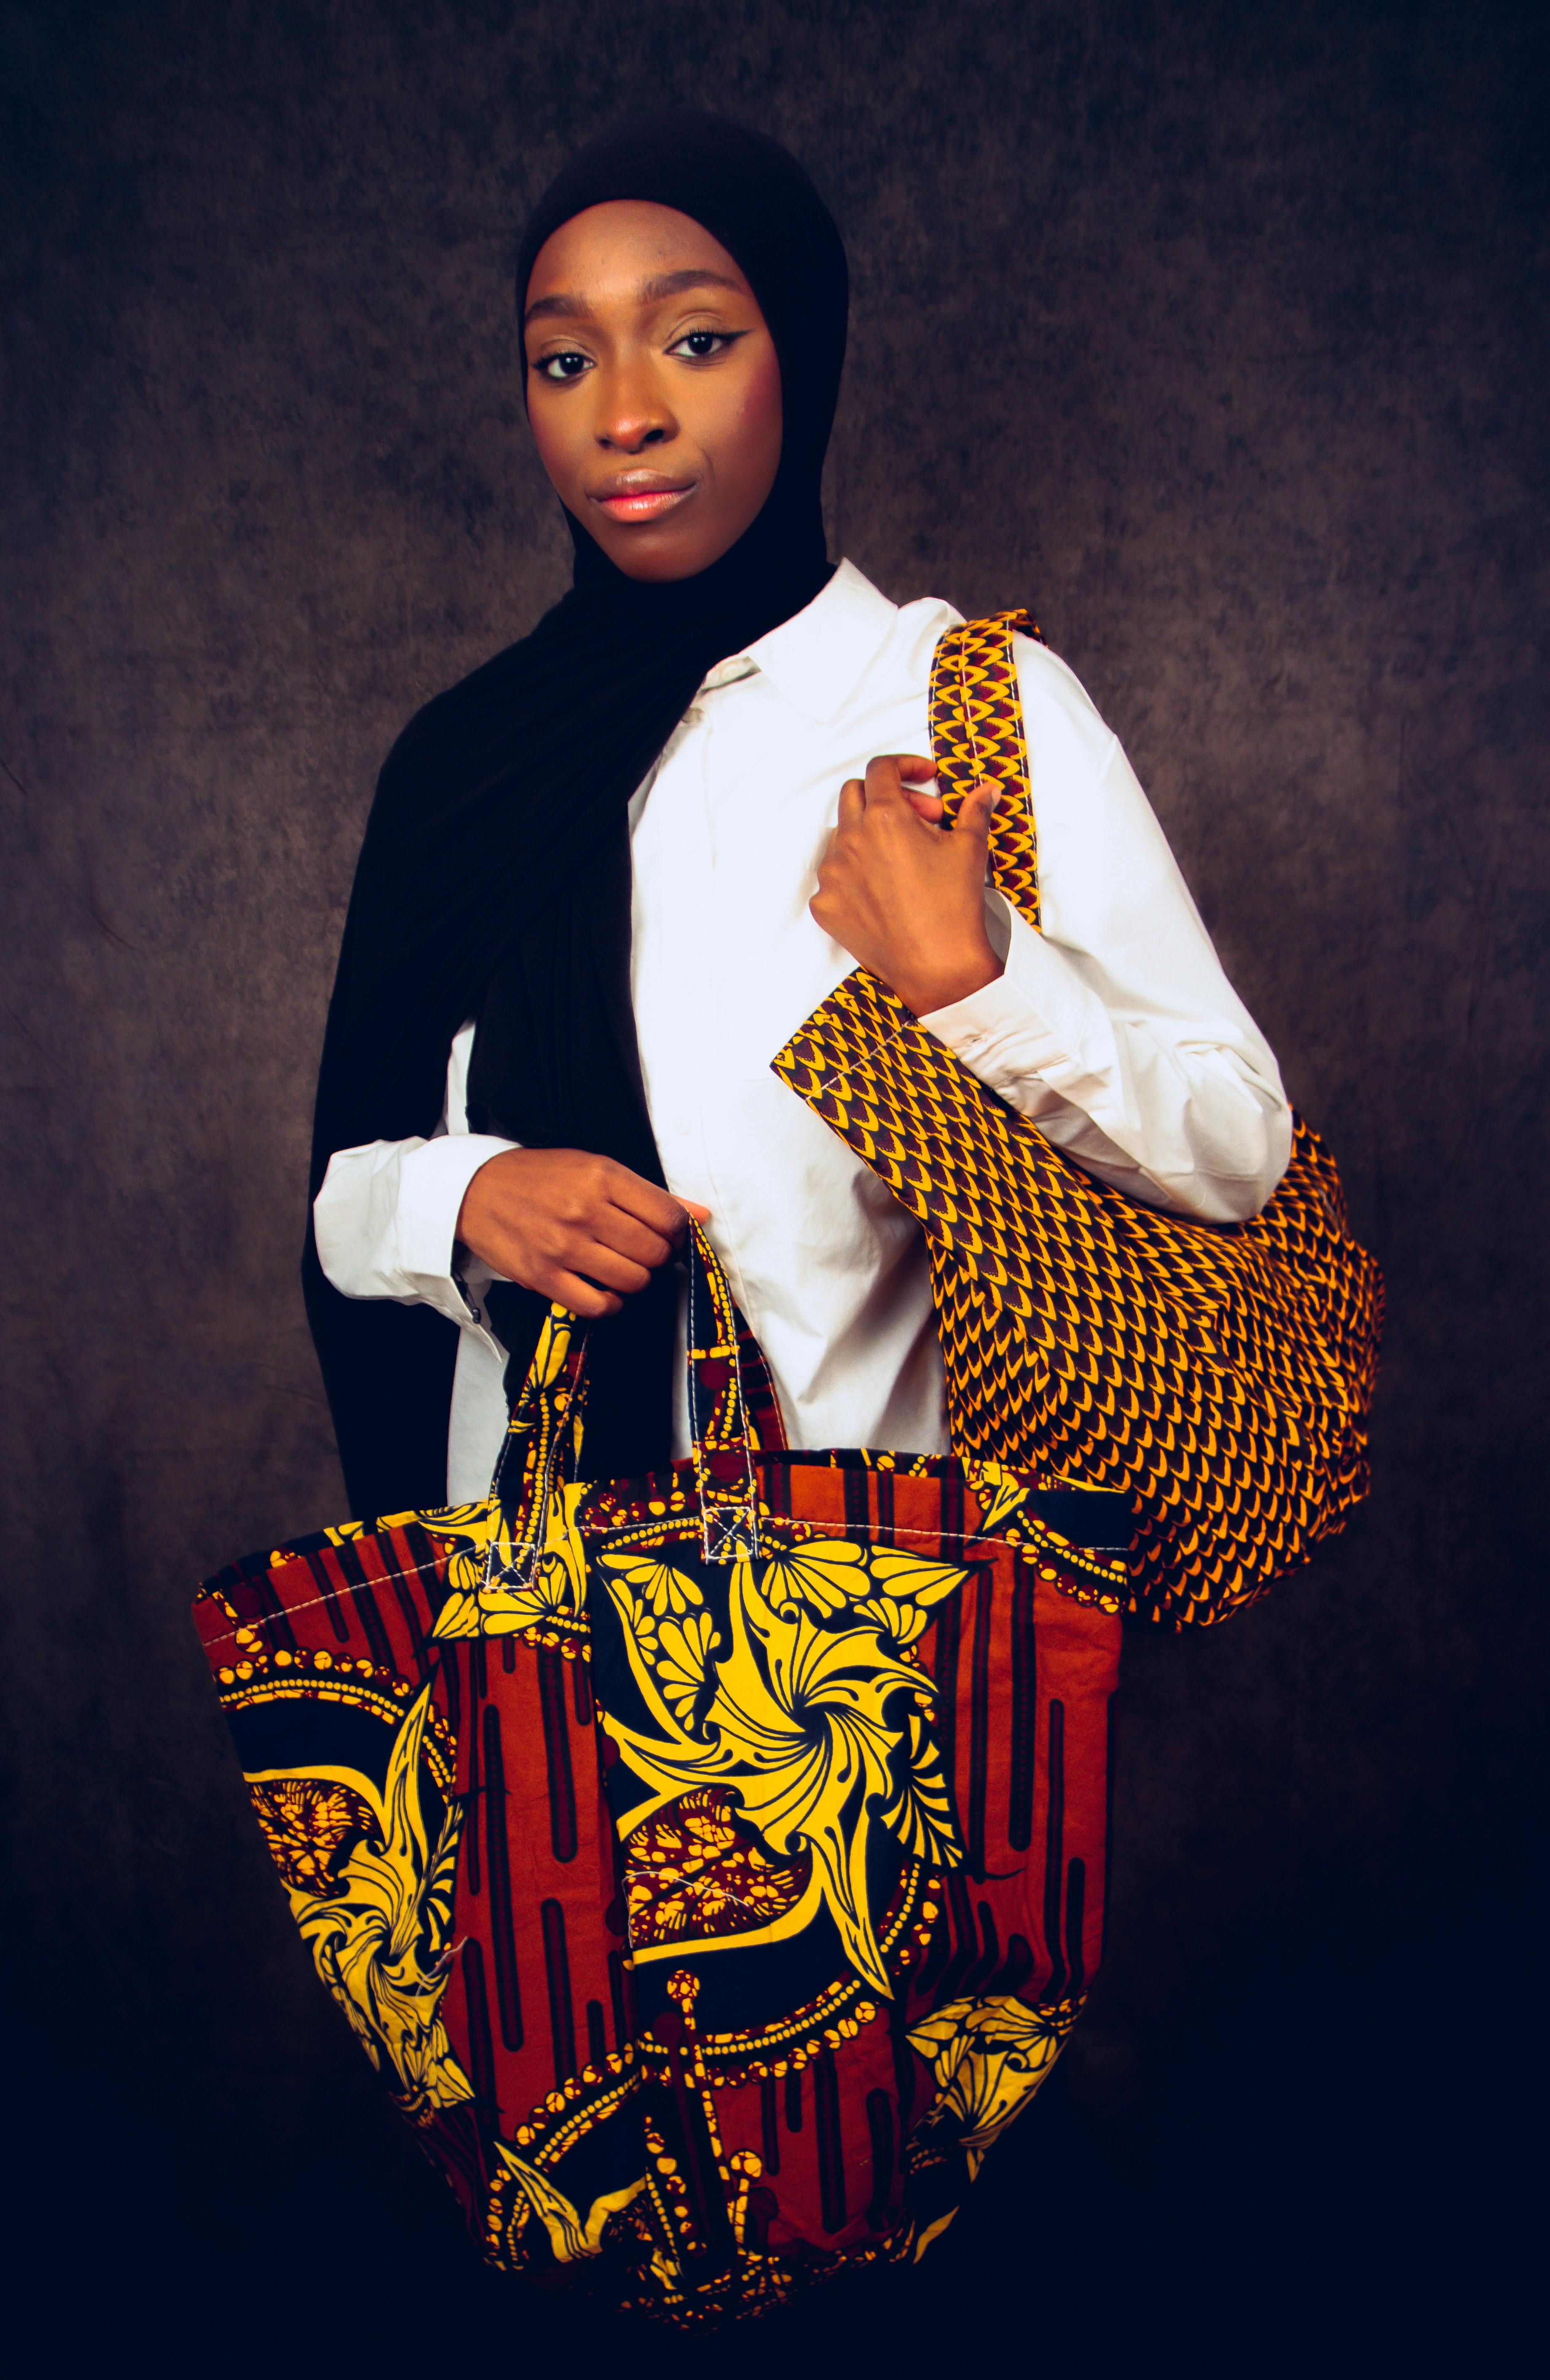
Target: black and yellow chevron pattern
<point x="1221" y="1373"/>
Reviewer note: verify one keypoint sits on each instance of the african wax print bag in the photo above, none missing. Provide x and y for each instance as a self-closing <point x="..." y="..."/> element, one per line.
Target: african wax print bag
<point x="1218" y="1375"/>
<point x="710" y="1863"/>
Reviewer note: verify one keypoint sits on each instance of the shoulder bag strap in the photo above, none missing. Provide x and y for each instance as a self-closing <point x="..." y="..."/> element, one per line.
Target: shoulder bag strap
<point x="977" y="732"/>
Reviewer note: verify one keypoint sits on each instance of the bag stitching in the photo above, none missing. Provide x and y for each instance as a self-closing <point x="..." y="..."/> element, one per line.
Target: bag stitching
<point x="851" y="1529"/>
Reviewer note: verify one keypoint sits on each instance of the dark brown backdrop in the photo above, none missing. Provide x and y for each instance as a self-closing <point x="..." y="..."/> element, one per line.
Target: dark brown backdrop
<point x="1217" y="334"/>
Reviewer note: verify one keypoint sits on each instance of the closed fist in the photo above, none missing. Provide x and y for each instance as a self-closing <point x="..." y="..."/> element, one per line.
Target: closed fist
<point x="902" y="893"/>
<point x="582" y="1231"/>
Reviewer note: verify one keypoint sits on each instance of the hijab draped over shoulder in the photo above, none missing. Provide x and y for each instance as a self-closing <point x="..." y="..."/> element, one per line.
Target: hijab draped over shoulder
<point x="494" y="879"/>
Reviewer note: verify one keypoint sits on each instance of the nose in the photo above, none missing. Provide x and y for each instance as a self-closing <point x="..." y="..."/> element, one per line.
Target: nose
<point x="634" y="415"/>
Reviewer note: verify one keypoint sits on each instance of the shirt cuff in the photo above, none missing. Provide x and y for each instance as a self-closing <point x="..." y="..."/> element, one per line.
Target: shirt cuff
<point x="1031" y="1022"/>
<point x="386" y="1220"/>
<point x="432" y="1187"/>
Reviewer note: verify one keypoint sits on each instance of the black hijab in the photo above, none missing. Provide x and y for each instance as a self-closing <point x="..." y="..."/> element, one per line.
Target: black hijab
<point x="494" y="877"/>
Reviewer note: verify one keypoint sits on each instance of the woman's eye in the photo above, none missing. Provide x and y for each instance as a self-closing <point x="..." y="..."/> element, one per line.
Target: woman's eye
<point x="699" y="345"/>
<point x="568" y="366"/>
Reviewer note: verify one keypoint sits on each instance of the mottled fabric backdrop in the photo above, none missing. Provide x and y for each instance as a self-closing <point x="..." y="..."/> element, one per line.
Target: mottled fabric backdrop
<point x="1215" y="334"/>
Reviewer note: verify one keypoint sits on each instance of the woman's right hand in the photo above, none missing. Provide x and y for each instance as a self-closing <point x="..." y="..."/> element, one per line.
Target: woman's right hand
<point x="582" y="1231"/>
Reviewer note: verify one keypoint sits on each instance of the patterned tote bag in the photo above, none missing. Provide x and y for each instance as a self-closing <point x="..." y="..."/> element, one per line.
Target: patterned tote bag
<point x="710" y="1863"/>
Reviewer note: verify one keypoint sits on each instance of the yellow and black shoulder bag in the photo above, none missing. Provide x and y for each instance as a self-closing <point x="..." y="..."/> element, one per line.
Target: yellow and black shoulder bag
<point x="1220" y="1375"/>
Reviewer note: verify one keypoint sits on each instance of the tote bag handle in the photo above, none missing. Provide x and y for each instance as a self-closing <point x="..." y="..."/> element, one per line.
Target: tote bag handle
<point x="540" y="1451"/>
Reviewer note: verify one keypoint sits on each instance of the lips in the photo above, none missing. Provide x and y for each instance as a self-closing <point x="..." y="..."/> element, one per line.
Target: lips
<point x="640" y="495"/>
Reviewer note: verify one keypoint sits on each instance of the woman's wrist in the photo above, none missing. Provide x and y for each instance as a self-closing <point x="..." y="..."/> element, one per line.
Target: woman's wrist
<point x="946" y="981"/>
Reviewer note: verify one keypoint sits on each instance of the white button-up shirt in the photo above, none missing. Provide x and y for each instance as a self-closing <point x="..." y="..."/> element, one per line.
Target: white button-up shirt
<point x="1113" y="1030"/>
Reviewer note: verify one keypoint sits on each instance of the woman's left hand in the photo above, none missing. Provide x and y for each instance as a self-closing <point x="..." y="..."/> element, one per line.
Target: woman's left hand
<point x="905" y="893"/>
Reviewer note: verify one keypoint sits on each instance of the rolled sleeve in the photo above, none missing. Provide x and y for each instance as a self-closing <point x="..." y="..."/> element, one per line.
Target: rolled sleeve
<point x="1037" y="1026"/>
<point x="386" y="1222"/>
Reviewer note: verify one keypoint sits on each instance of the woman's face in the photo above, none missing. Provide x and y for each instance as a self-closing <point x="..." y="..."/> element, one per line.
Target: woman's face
<point x="653" y="387"/>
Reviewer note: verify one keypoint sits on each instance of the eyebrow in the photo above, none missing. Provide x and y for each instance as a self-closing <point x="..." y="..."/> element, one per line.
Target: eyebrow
<point x="650" y="293"/>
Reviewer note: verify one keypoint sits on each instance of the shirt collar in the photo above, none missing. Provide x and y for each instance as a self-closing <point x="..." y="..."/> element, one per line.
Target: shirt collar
<point x="816" y="657"/>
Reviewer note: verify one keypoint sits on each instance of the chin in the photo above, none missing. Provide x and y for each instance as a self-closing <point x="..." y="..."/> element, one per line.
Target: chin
<point x="662" y="566"/>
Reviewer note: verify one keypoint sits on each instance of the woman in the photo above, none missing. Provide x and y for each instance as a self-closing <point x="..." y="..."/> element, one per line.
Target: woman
<point x="607" y="876"/>
<point x="608" y="880"/>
